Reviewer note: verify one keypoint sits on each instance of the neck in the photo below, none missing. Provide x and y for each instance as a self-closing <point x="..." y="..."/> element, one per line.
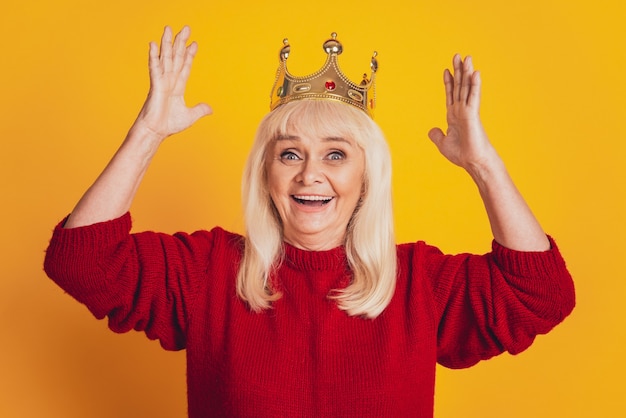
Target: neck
<point x="315" y="242"/>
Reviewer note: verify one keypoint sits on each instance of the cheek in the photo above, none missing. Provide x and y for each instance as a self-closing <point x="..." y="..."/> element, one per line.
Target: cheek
<point x="354" y="183"/>
<point x="270" y="175"/>
<point x="276" y="183"/>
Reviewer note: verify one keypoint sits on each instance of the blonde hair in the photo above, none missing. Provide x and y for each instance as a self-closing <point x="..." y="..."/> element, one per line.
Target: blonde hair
<point x="369" y="241"/>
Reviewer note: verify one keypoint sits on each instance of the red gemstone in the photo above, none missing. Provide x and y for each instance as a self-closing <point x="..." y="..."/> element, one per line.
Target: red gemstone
<point x="330" y="85"/>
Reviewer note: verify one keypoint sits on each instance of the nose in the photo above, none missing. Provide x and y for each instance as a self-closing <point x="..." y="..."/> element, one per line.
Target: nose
<point x="311" y="172"/>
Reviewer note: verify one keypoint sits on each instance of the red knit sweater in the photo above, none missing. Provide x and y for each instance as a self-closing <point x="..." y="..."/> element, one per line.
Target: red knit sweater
<point x="305" y="357"/>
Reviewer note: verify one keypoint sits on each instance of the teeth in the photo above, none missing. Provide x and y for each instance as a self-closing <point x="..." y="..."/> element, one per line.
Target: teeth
<point x="313" y="198"/>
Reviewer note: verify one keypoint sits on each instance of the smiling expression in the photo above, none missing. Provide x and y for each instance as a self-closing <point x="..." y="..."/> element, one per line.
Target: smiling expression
<point x="315" y="184"/>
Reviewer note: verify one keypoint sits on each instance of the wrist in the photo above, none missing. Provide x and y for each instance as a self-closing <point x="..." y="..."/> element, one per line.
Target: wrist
<point x="487" y="169"/>
<point x="142" y="130"/>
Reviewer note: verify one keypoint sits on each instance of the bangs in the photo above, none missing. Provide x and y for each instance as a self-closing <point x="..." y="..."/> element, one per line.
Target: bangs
<point x="320" y="118"/>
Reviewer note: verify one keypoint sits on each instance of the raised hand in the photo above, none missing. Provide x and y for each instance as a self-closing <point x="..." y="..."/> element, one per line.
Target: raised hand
<point x="165" y="112"/>
<point x="465" y="142"/>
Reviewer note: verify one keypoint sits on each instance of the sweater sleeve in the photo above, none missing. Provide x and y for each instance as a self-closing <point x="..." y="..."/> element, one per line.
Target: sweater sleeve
<point x="143" y="281"/>
<point x="496" y="302"/>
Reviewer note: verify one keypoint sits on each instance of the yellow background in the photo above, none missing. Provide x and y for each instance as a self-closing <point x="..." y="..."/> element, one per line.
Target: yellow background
<point x="73" y="76"/>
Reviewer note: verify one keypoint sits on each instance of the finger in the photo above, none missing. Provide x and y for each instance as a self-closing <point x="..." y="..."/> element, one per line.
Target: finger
<point x="166" y="49"/>
<point x="436" y="135"/>
<point x="466" y="79"/>
<point x="190" y="53"/>
<point x="474" y="97"/>
<point x="199" y="111"/>
<point x="448" y="82"/>
<point x="153" y="62"/>
<point x="179" y="49"/>
<point x="457" y="65"/>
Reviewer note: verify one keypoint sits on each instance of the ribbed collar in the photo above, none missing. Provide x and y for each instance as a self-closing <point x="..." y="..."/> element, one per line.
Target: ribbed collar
<point x="329" y="260"/>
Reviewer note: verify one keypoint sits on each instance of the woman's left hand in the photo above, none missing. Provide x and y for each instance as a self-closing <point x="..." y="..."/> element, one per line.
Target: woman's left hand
<point x="465" y="142"/>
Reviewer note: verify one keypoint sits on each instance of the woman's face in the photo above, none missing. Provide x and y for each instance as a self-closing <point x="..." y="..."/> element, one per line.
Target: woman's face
<point x="315" y="184"/>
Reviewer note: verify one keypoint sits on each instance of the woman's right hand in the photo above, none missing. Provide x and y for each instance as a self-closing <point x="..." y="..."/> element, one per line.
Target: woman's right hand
<point x="165" y="112"/>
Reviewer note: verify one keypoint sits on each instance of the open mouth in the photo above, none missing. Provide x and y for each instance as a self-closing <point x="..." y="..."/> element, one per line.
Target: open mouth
<point x="312" y="200"/>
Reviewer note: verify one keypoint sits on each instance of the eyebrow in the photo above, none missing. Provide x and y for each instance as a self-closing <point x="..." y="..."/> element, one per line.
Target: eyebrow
<point x="287" y="137"/>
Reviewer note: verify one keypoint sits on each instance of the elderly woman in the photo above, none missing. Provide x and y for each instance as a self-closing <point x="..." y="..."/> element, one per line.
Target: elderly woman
<point x="316" y="312"/>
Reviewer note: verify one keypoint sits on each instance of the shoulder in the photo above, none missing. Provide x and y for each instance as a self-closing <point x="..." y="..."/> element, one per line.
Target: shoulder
<point x="417" y="252"/>
<point x="222" y="239"/>
<point x="420" y="262"/>
<point x="415" y="261"/>
<point x="215" y="242"/>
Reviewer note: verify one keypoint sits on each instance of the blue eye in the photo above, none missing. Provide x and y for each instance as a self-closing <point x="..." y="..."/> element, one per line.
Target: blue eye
<point x="336" y="156"/>
<point x="289" y="156"/>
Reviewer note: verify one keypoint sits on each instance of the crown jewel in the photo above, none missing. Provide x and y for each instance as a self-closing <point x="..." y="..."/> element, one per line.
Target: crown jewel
<point x="329" y="82"/>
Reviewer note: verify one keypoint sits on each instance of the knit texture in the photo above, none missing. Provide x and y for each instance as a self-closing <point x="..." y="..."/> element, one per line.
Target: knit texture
<point x="305" y="357"/>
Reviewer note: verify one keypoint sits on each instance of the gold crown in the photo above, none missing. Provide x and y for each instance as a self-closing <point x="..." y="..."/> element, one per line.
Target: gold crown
<point x="329" y="82"/>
